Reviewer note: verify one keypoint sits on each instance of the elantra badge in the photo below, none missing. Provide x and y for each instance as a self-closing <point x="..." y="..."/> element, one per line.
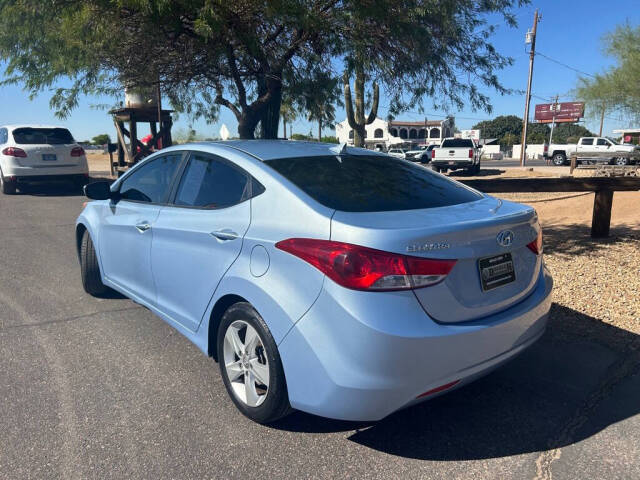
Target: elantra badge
<point x="427" y="247"/>
<point x="505" y="238"/>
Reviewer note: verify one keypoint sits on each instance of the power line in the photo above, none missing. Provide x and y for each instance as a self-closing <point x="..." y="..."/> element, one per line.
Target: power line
<point x="565" y="65"/>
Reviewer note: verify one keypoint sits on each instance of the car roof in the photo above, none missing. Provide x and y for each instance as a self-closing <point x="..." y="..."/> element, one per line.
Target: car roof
<point x="272" y="149"/>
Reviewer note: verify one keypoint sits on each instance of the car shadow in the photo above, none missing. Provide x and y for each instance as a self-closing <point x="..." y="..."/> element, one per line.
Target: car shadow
<point x="484" y="172"/>
<point x="548" y="397"/>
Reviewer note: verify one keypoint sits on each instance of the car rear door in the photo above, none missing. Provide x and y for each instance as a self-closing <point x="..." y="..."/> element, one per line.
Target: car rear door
<point x="199" y="236"/>
<point x="127" y="226"/>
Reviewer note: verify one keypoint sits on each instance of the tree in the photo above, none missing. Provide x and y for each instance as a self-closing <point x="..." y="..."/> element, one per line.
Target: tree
<point x="565" y="132"/>
<point x="289" y="113"/>
<point x="617" y="87"/>
<point x="500" y="126"/>
<point x="101" y="139"/>
<point x="207" y="54"/>
<point x="320" y="97"/>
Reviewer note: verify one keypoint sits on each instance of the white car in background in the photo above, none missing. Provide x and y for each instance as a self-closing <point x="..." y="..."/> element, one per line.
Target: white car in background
<point x="398" y="153"/>
<point x="30" y="153"/>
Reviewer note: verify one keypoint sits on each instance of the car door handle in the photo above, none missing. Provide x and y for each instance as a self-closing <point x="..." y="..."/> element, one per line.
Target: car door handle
<point x="143" y="227"/>
<point x="225" y="235"/>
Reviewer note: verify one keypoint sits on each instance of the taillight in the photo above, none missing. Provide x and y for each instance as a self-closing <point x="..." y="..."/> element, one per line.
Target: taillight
<point x="470" y="153"/>
<point x="536" y="245"/>
<point x="14" y="152"/>
<point x="546" y="148"/>
<point x="433" y="154"/>
<point x="363" y="268"/>
<point x="77" y="151"/>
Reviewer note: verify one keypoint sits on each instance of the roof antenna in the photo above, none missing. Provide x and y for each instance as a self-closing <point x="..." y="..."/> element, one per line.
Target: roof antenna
<point x="339" y="149"/>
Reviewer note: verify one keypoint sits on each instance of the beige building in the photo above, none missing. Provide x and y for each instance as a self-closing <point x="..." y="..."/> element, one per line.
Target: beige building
<point x="397" y="132"/>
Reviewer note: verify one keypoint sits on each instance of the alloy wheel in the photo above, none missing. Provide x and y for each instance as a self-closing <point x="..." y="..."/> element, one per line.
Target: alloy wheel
<point x="245" y="363"/>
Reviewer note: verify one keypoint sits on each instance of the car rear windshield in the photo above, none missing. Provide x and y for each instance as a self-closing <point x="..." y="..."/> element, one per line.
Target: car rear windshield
<point x="458" y="143"/>
<point x="42" y="136"/>
<point x="356" y="183"/>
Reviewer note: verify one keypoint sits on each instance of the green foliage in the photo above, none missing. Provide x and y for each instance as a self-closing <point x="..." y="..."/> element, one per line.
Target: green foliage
<point x="565" y="132"/>
<point x="245" y="55"/>
<point x="301" y="136"/>
<point x="330" y="139"/>
<point x="101" y="139"/>
<point x="500" y="126"/>
<point x="618" y="87"/>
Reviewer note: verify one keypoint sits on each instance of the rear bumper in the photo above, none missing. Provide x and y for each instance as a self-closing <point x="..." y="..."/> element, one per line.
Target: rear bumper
<point x="33" y="174"/>
<point x="452" y="163"/>
<point x="362" y="356"/>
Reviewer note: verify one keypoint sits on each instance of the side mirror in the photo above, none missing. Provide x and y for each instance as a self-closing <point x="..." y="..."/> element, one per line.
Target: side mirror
<point x="98" y="190"/>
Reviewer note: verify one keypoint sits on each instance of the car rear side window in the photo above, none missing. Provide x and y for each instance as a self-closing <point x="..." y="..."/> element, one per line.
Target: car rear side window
<point x="208" y="182"/>
<point x="151" y="181"/>
<point x="355" y="183"/>
<point x="457" y="143"/>
<point x="42" y="136"/>
<point x="587" y="141"/>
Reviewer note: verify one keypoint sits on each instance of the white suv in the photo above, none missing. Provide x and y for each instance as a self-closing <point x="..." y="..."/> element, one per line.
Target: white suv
<point x="39" y="153"/>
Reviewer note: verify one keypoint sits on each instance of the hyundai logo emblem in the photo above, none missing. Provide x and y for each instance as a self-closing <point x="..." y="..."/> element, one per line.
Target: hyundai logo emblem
<point x="505" y="238"/>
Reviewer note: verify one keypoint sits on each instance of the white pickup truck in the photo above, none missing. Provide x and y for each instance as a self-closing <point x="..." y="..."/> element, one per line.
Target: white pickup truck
<point x="560" y="154"/>
<point x="455" y="153"/>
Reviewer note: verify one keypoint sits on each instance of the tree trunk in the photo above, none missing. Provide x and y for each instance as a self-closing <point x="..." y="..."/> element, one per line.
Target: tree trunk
<point x="359" y="132"/>
<point x="247" y="126"/>
<point x="320" y="130"/>
<point x="284" y="127"/>
<point x="270" y="114"/>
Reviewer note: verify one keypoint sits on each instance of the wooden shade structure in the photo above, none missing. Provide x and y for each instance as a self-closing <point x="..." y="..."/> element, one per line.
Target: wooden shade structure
<point x="131" y="153"/>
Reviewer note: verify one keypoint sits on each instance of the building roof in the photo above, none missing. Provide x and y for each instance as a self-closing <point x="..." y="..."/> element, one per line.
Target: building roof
<point x="429" y="123"/>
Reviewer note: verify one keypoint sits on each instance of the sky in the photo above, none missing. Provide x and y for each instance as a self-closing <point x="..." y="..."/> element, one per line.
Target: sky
<point x="570" y="32"/>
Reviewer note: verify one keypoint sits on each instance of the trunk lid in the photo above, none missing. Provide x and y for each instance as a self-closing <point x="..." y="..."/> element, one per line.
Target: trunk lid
<point x="466" y="232"/>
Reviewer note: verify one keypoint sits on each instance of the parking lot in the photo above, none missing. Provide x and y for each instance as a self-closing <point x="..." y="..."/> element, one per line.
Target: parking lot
<point x="101" y="388"/>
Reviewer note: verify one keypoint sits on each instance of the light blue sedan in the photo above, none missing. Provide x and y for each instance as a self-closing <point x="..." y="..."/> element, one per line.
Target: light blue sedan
<point x="334" y="280"/>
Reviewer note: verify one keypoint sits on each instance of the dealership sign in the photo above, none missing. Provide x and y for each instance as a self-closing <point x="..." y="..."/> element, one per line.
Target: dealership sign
<point x="559" y="112"/>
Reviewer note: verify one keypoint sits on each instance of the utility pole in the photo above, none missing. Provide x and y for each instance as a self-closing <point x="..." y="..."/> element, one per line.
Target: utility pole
<point x="553" y="121"/>
<point x="601" y="120"/>
<point x="530" y="38"/>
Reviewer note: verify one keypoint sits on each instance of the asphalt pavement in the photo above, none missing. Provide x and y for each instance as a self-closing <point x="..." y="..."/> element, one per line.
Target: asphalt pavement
<point x="101" y="388"/>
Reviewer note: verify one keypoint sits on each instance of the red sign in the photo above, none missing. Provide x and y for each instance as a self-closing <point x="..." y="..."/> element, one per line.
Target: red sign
<point x="560" y="112"/>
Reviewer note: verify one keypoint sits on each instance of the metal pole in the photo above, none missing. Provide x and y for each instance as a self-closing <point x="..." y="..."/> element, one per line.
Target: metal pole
<point x="553" y="122"/>
<point x="525" y="123"/>
<point x="601" y="120"/>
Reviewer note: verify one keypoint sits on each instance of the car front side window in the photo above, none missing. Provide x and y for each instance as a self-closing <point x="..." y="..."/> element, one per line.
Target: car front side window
<point x="150" y="183"/>
<point x="211" y="183"/>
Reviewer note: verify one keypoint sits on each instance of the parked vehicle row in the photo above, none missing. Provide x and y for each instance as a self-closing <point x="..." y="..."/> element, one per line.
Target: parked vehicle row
<point x="334" y="280"/>
<point x="31" y="153"/>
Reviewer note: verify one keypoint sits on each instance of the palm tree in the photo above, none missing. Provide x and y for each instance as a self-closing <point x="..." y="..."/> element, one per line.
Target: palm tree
<point x="289" y="113"/>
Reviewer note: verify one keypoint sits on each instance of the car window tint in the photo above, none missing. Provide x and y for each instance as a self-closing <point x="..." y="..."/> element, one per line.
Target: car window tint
<point x="587" y="141"/>
<point x="602" y="141"/>
<point x="211" y="183"/>
<point x="150" y="182"/>
<point x="357" y="183"/>
<point x="457" y="143"/>
<point x="42" y="136"/>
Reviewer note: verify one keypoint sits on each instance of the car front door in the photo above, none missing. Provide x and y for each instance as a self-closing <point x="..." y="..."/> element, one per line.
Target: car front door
<point x="199" y="236"/>
<point x="127" y="226"/>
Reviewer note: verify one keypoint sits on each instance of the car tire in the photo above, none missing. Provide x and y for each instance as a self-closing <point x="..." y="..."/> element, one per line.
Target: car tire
<point x="261" y="363"/>
<point x="621" y="161"/>
<point x="90" y="269"/>
<point x="8" y="187"/>
<point x="559" y="159"/>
